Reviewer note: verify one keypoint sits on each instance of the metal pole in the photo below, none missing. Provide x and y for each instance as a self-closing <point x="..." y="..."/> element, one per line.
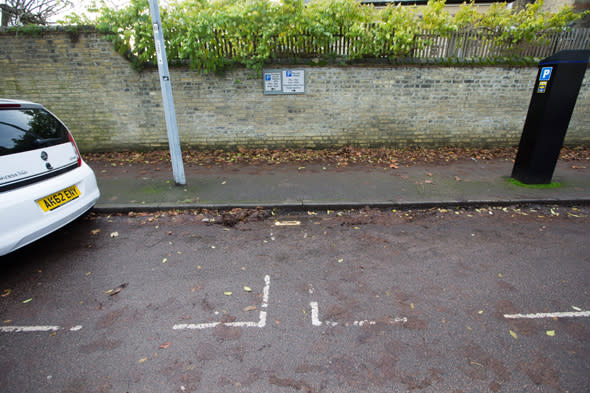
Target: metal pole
<point x="165" y="85"/>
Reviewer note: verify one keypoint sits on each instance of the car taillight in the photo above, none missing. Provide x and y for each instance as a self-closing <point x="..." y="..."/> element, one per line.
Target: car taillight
<point x="73" y="142"/>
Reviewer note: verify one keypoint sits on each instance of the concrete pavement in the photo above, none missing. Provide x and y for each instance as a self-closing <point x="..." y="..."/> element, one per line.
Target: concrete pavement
<point x="468" y="182"/>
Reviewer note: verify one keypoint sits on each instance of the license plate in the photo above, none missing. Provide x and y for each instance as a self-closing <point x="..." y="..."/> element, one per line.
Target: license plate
<point x="58" y="199"/>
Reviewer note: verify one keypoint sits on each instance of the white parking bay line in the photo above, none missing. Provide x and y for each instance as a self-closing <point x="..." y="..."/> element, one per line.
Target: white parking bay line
<point x="201" y="326"/>
<point x="34" y="329"/>
<point x="261" y="318"/>
<point x="577" y="314"/>
<point x="315" y="319"/>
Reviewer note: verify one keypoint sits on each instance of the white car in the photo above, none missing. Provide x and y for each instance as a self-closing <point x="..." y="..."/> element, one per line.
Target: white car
<point x="44" y="183"/>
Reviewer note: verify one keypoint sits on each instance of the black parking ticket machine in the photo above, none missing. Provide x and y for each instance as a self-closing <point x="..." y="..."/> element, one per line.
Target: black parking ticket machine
<point x="554" y="97"/>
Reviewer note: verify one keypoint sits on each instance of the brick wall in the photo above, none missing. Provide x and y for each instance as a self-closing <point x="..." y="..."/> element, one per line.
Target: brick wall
<point x="109" y="106"/>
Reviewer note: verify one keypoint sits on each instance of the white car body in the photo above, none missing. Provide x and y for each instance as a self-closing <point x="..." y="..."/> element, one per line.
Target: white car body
<point x="36" y="194"/>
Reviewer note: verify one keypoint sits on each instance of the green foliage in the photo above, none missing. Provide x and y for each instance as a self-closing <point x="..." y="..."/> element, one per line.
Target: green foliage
<point x="28" y="30"/>
<point x="212" y="35"/>
<point x="396" y="34"/>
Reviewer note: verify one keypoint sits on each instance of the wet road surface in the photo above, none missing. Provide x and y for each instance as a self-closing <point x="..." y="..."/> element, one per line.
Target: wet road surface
<point x="329" y="301"/>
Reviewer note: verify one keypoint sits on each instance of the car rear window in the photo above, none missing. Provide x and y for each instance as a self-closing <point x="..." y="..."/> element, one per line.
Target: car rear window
<point x="29" y="129"/>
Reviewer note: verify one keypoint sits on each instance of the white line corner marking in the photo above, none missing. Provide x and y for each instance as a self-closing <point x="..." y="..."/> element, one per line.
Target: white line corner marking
<point x="315" y="319"/>
<point x="261" y="319"/>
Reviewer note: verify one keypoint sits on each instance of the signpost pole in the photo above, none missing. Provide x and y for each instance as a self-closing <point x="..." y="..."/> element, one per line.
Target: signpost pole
<point x="168" y="100"/>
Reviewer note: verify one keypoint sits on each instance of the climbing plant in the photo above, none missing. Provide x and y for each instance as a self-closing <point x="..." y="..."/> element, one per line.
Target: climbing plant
<point x="211" y="35"/>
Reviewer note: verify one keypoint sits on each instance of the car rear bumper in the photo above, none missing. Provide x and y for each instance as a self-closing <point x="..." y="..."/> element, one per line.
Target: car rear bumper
<point x="22" y="220"/>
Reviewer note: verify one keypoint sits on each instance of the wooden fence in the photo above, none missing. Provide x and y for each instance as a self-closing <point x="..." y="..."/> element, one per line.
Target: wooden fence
<point x="477" y="45"/>
<point x="458" y="45"/>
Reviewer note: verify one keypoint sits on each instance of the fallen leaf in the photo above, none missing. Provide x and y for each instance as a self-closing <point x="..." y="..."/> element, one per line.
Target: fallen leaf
<point x="227" y="293"/>
<point x="164" y="346"/>
<point x="114" y="234"/>
<point x="247" y="289"/>
<point x="27" y="301"/>
<point x="550" y="333"/>
<point x="95" y="231"/>
<point x="457" y="178"/>
<point x="249" y="308"/>
<point x="115" y="291"/>
<point x="513" y="334"/>
<point x="341" y="260"/>
<point x="164" y="260"/>
<point x="576" y="308"/>
<point x="142" y="360"/>
<point x="6" y="292"/>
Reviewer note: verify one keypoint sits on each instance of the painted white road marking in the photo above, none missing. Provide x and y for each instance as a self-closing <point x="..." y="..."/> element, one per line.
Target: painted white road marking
<point x="579" y="314"/>
<point x="315" y="319"/>
<point x="261" y="318"/>
<point x="33" y="329"/>
<point x="287" y="223"/>
<point x="265" y="291"/>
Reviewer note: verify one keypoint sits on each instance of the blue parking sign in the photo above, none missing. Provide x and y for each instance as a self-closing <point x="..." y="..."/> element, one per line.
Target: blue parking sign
<point x="545" y="73"/>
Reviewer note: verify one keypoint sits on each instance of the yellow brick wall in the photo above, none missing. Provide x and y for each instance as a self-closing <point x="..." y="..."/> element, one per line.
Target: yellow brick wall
<point x="109" y="106"/>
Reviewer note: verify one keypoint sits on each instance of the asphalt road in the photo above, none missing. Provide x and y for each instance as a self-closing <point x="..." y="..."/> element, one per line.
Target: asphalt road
<point x="426" y="301"/>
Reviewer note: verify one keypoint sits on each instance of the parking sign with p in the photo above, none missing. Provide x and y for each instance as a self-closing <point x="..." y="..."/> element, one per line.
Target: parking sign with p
<point x="545" y="73"/>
